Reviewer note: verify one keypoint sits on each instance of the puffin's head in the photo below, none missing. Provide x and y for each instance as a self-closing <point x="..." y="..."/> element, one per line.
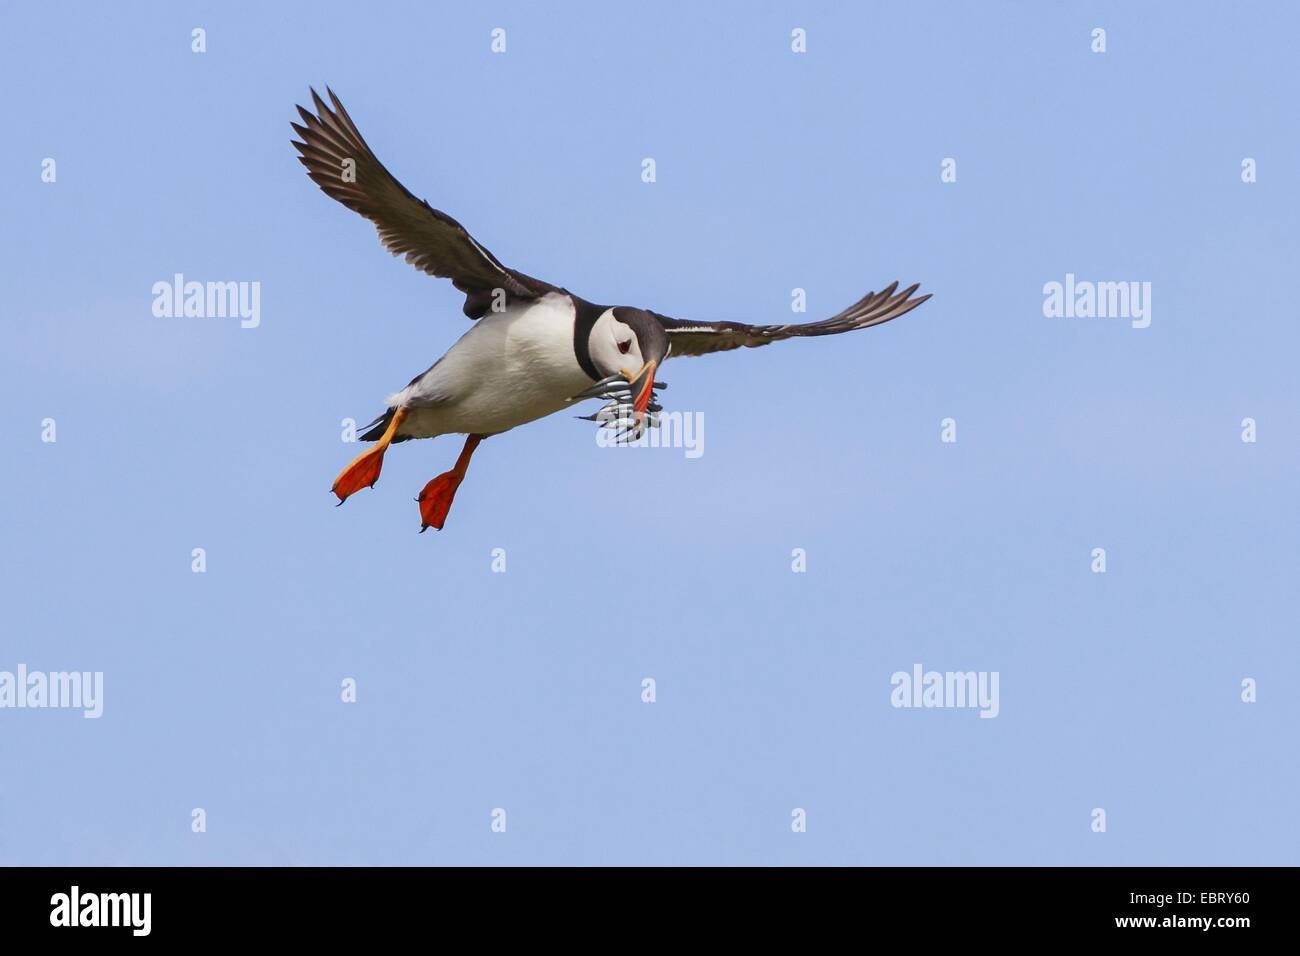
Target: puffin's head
<point x="629" y="342"/>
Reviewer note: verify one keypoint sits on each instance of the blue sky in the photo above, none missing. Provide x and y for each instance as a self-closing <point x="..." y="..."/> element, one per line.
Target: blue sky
<point x="775" y="170"/>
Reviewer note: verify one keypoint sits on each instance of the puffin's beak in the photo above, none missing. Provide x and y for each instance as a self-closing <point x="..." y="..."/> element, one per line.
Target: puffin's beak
<point x="625" y="390"/>
<point x="643" y="384"/>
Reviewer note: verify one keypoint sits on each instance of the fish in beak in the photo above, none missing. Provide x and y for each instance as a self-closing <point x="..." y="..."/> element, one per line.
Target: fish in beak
<point x="630" y="397"/>
<point x="625" y="388"/>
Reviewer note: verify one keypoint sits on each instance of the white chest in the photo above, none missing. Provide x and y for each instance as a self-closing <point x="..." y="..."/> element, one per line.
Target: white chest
<point x="510" y="368"/>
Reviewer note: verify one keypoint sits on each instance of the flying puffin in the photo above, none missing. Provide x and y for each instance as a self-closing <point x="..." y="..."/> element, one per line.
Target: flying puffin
<point x="535" y="348"/>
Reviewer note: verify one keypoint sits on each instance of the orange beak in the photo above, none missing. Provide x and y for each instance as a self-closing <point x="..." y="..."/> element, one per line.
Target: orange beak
<point x="643" y="386"/>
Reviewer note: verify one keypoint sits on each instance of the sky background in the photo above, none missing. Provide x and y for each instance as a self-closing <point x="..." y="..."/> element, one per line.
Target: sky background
<point x="522" y="690"/>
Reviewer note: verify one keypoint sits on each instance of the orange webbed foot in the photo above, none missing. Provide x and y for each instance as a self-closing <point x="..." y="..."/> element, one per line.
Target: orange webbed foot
<point x="362" y="473"/>
<point x="365" y="468"/>
<point x="436" y="498"/>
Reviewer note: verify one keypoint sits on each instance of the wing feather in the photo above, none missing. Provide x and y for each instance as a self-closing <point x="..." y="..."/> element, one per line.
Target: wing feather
<point x="874" y="308"/>
<point x="342" y="164"/>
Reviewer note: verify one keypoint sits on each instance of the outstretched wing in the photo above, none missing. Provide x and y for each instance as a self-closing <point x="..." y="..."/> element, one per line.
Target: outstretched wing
<point x="699" y="338"/>
<point x="339" y="161"/>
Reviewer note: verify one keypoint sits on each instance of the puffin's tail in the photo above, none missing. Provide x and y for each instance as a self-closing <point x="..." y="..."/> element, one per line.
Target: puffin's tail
<point x="376" y="429"/>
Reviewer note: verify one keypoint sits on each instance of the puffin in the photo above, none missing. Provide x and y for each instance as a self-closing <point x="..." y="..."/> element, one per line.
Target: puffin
<point x="534" y="348"/>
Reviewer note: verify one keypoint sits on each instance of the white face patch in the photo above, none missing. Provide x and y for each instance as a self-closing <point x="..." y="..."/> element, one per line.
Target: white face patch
<point x="614" y="347"/>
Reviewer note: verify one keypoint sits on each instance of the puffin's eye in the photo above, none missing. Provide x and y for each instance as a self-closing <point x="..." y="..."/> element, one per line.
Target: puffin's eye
<point x="624" y="346"/>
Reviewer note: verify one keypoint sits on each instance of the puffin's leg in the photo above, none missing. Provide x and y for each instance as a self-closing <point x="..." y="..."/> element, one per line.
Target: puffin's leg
<point x="435" y="500"/>
<point x="364" y="470"/>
